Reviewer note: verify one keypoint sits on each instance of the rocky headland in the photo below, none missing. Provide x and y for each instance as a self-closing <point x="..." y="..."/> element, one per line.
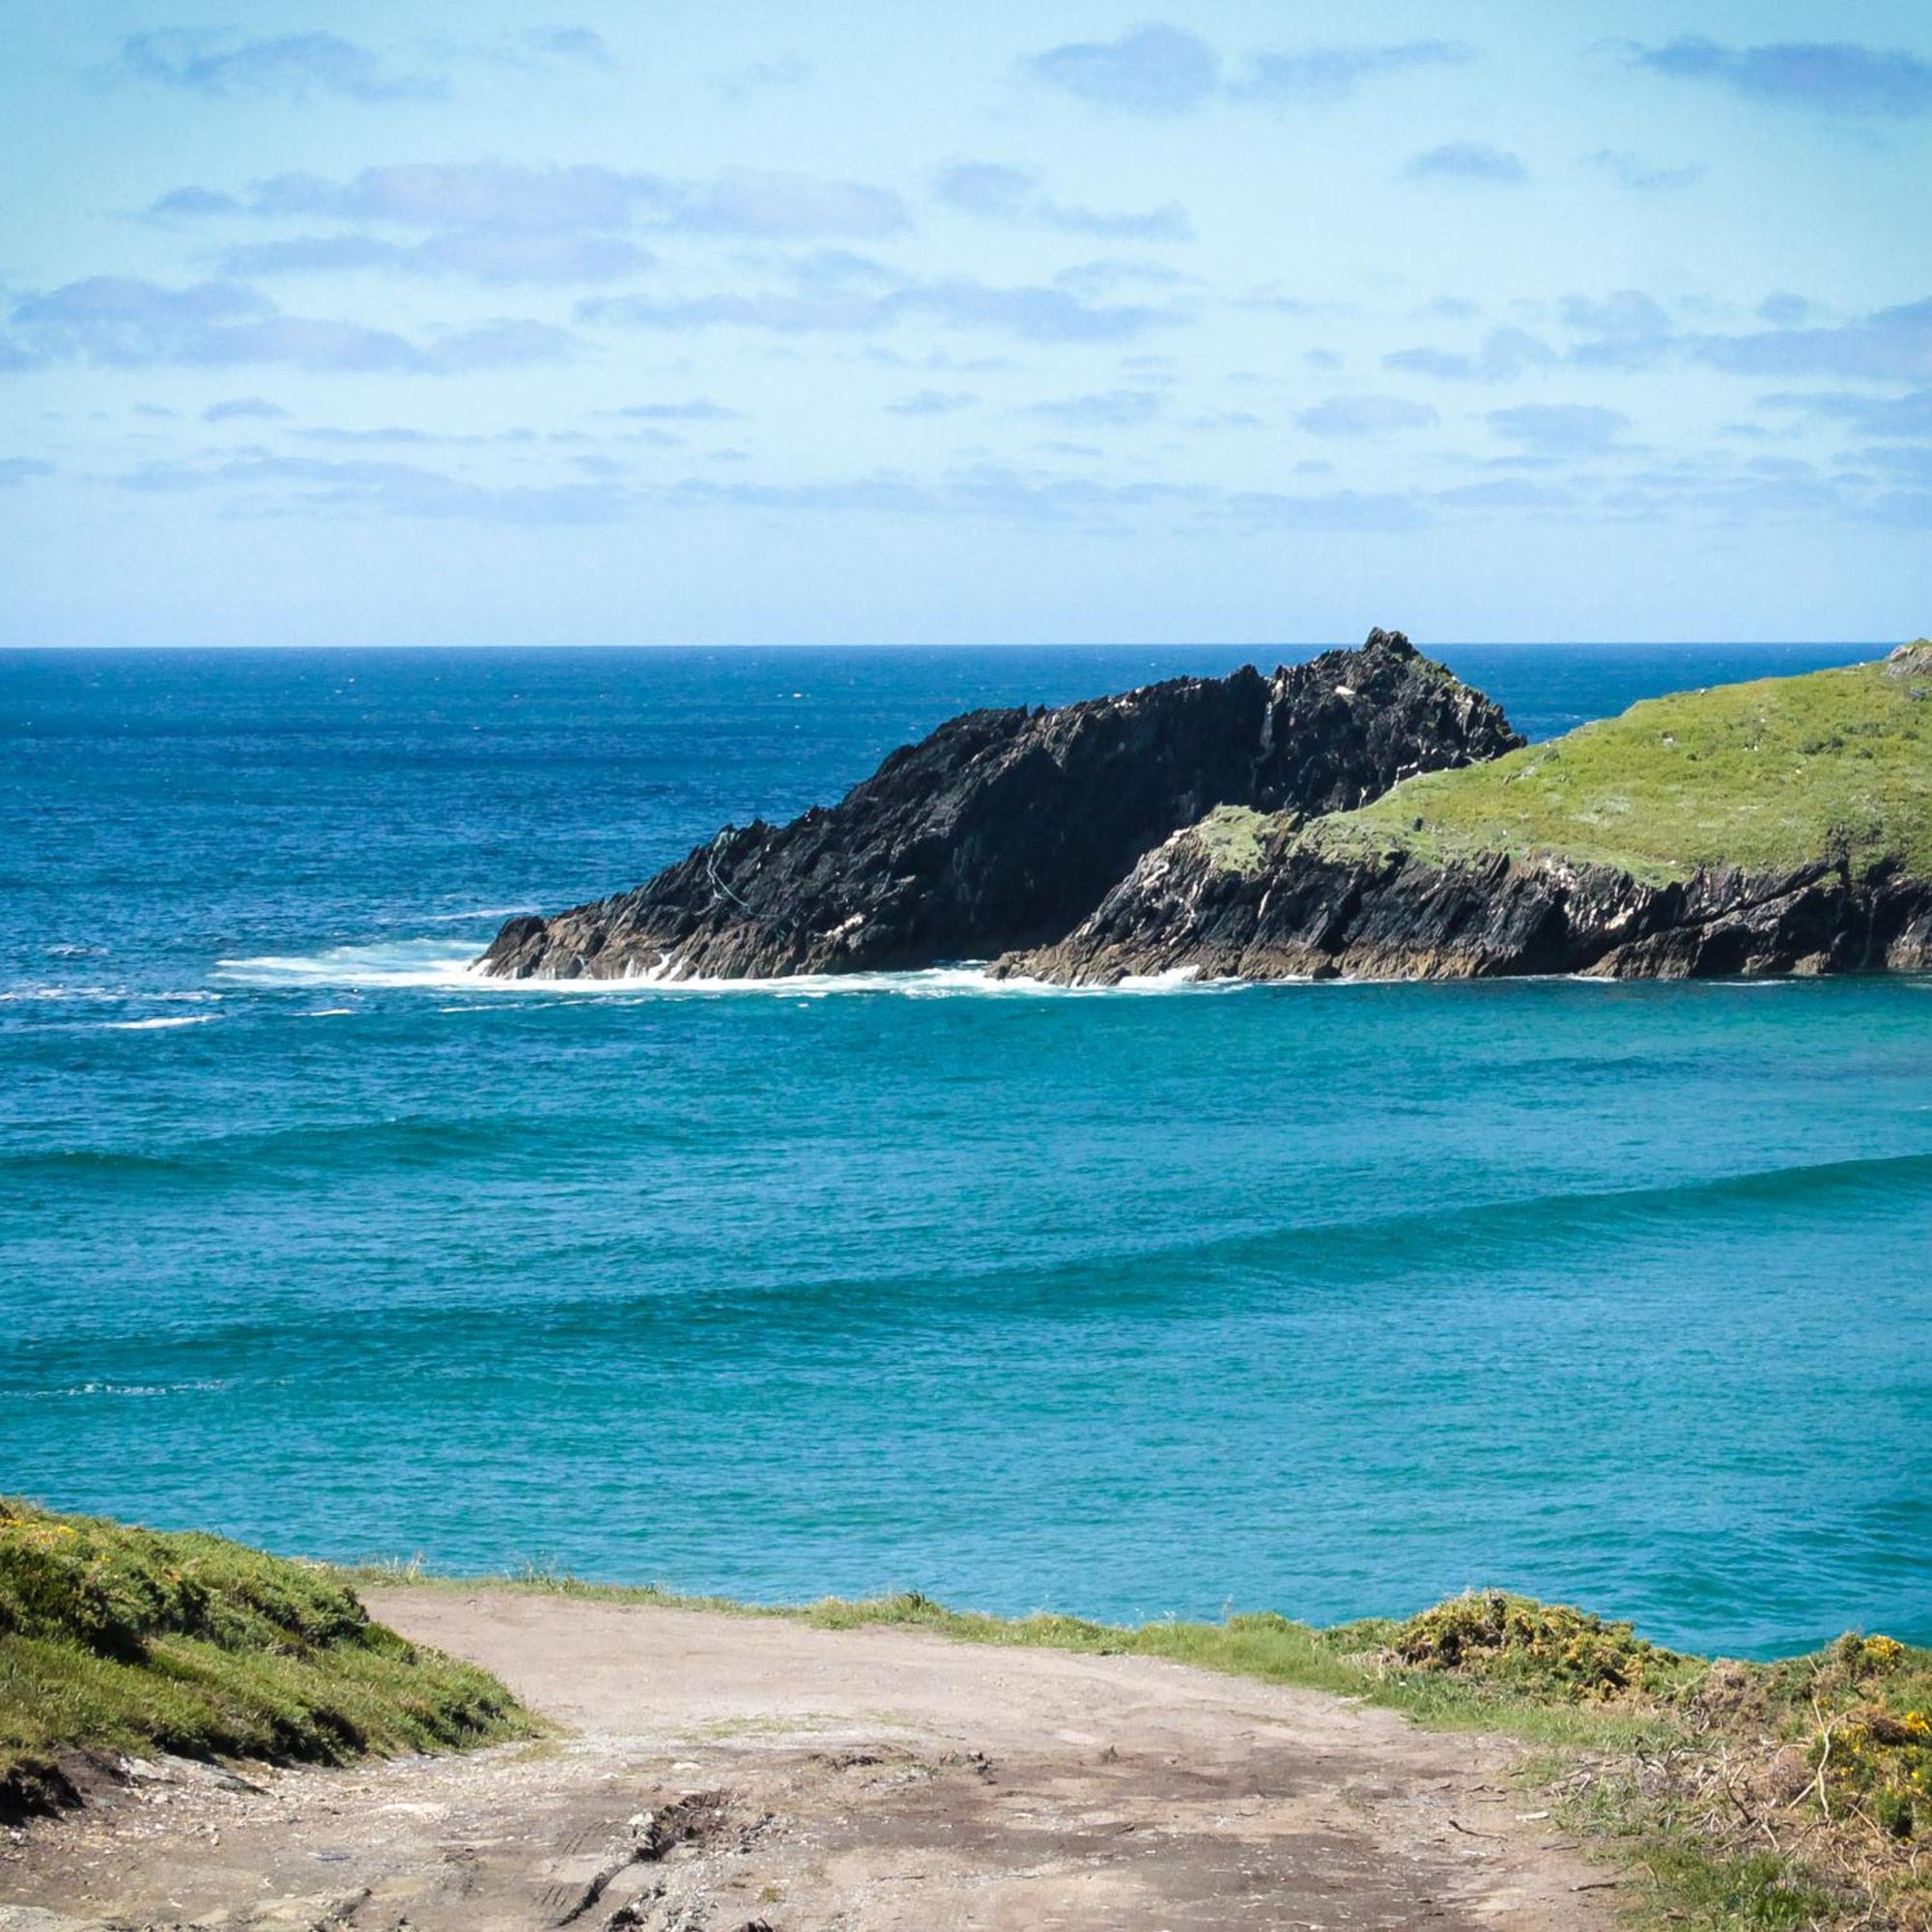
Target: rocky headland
<point x="1777" y="827"/>
<point x="1005" y="828"/>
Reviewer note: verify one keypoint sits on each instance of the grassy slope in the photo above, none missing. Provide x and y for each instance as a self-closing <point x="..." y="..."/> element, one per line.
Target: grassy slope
<point x="123" y="1640"/>
<point x="1701" y="1781"/>
<point x="1765" y="775"/>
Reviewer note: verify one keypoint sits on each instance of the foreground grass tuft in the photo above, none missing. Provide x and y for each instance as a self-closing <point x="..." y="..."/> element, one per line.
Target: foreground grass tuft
<point x="117" y="1640"/>
<point x="1729" y="1797"/>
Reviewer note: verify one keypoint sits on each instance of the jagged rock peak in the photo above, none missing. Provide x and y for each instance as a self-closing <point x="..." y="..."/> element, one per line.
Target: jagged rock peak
<point x="1004" y="829"/>
<point x="1395" y="642"/>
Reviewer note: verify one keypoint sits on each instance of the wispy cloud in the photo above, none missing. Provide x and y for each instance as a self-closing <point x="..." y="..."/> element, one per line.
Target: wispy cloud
<point x="1110" y="409"/>
<point x="699" y="409"/>
<point x="1163" y="70"/>
<point x="260" y="484"/>
<point x="1466" y="161"/>
<point x="1031" y="314"/>
<point x="1365" y="416"/>
<point x="1890" y="344"/>
<point x="1154" y="69"/>
<point x="17" y="469"/>
<point x="223" y="64"/>
<point x="122" y="322"/>
<point x="1506" y="492"/>
<point x="1092" y="280"/>
<point x="1908" y="416"/>
<point x="752" y="201"/>
<point x="1503" y="355"/>
<point x="492" y="196"/>
<point x="1630" y="331"/>
<point x="761" y="75"/>
<point x="998" y="194"/>
<point x="1642" y="177"/>
<point x="244" y="409"/>
<point x="1625" y="329"/>
<point x="292" y="67"/>
<point x="1333" y="74"/>
<point x="1827" y="77"/>
<point x="568" y="44"/>
<point x="476" y="198"/>
<point x="1560" y="429"/>
<point x="932" y="403"/>
<point x="500" y="260"/>
<point x="283" y="485"/>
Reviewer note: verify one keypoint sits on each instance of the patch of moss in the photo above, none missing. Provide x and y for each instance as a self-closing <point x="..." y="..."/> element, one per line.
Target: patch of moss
<point x="1231" y="835"/>
<point x="1834" y="766"/>
<point x="116" y="1639"/>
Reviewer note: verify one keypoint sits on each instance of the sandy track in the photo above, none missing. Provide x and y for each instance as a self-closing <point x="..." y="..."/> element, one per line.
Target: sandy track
<point x="720" y="1773"/>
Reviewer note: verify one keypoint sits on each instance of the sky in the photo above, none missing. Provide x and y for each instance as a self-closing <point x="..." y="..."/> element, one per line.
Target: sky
<point x="775" y="323"/>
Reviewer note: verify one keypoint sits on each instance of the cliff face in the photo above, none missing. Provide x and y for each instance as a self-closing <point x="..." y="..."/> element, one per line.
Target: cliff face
<point x="1235" y="899"/>
<point x="1004" y="829"/>
<point x="1780" y="826"/>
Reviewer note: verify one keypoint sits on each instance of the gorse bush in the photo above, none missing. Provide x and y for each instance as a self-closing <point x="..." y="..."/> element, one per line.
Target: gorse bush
<point x="1529" y="1646"/>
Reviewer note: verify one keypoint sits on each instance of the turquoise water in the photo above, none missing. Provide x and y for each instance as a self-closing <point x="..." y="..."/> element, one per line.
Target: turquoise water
<point x="1328" y="1299"/>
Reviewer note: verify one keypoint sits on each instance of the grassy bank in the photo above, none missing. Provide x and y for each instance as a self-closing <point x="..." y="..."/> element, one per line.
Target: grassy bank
<point x="116" y="1640"/>
<point x="1770" y="774"/>
<point x="1730" y="1797"/>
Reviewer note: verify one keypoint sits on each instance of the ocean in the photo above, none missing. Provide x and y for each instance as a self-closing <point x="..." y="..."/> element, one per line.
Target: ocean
<point x="1325" y="1300"/>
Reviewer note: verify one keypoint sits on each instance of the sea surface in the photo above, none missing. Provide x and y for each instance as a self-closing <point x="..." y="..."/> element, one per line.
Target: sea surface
<point x="1327" y="1299"/>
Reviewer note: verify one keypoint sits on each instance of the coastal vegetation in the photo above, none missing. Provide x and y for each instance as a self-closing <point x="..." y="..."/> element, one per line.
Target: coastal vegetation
<point x="1728" y="1795"/>
<point x="1767" y="777"/>
<point x="117" y="1642"/>
<point x="1719" y="1794"/>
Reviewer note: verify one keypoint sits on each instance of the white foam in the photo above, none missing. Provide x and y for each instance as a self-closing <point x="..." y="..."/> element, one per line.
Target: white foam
<point x="63" y="993"/>
<point x="448" y="966"/>
<point x="154" y="1025"/>
<point x="127" y="1388"/>
<point x="933" y="982"/>
<point x="397" y="962"/>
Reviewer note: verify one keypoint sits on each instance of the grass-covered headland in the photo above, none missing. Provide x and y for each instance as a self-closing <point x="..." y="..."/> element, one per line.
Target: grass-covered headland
<point x="1722" y="1795"/>
<point x="119" y="1641"/>
<point x="1779" y="773"/>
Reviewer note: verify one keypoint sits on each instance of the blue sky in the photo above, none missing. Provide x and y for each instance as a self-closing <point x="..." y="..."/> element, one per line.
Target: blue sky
<point x="640" y="323"/>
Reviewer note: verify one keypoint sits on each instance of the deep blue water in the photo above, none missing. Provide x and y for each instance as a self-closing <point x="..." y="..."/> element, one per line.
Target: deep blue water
<point x="1327" y="1299"/>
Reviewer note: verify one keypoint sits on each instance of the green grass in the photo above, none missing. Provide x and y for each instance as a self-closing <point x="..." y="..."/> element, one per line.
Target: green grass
<point x="122" y="1641"/>
<point x="1671" y="1766"/>
<point x="1774" y="774"/>
<point x="1231" y="837"/>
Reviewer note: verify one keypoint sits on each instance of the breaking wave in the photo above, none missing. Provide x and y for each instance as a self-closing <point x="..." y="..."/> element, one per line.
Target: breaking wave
<point x="448" y="965"/>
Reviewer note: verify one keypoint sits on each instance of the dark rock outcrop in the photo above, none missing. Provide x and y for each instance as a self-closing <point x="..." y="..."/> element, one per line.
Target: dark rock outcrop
<point x="1004" y="829"/>
<point x="1236" y="897"/>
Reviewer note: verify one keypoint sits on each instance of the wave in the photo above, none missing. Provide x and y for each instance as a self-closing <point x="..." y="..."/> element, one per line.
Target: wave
<point x="449" y="965"/>
<point x="473" y="912"/>
<point x="282" y="1156"/>
<point x="202" y="1387"/>
<point x="396" y="962"/>
<point x="16" y="994"/>
<point x="156" y="1024"/>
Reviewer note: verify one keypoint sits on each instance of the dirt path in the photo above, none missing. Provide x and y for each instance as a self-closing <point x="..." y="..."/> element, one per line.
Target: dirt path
<point x="722" y="1774"/>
